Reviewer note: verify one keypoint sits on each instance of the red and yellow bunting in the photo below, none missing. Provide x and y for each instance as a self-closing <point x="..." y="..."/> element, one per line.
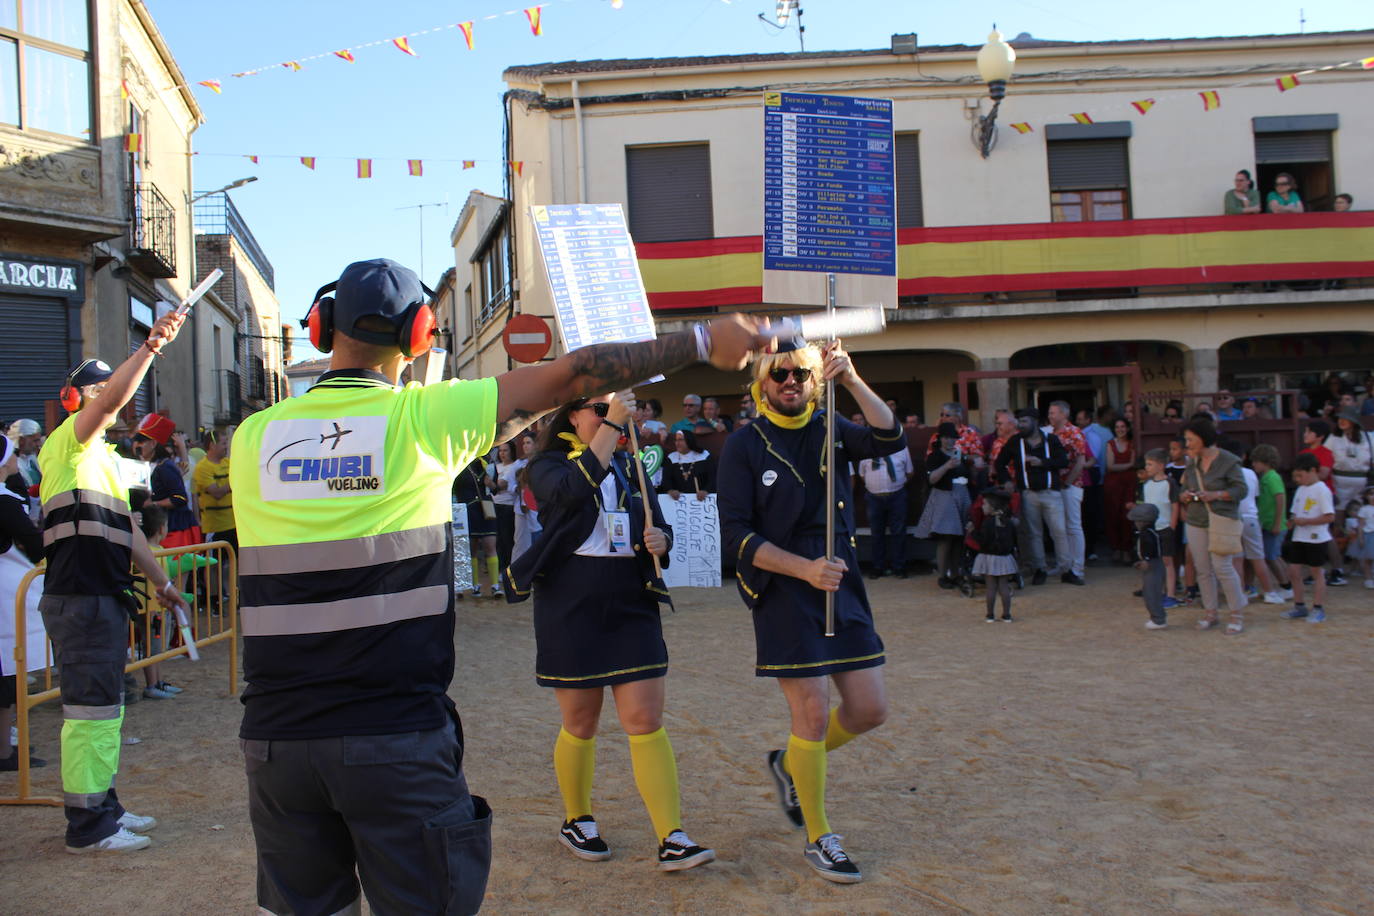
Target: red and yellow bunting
<point x="133" y="143"/>
<point x="535" y="14"/>
<point x="518" y="166"/>
<point x="213" y="85"/>
<point x="345" y="54"/>
<point x="308" y="162"/>
<point x="123" y="90"/>
<point x="469" y="164"/>
<point x="293" y="65"/>
<point x="1082" y="117"/>
<point x="1367" y="63"/>
<point x="364" y="168"/>
<point x="416" y="167"/>
<point x="1022" y="127"/>
<point x="403" y="45"/>
<point x="252" y="158"/>
<point x="1211" y="99"/>
<point x="466" y="29"/>
<point x="1144" y="105"/>
<point x="1287" y="82"/>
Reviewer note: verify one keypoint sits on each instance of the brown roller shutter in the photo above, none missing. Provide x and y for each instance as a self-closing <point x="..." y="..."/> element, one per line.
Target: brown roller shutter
<point x="1298" y="146"/>
<point x="1080" y="165"/>
<point x="670" y="192"/>
<point x="910" y="210"/>
<point x="33" y="354"/>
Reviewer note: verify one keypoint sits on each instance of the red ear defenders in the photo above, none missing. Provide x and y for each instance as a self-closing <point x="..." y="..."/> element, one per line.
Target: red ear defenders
<point x="414" y="334"/>
<point x="70" y="395"/>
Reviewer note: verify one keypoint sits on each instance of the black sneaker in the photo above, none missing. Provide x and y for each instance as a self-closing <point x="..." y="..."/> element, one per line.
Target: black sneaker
<point x="901" y="573"/>
<point x="947" y="582"/>
<point x="1006" y="618"/>
<point x="787" y="791"/>
<point x="830" y="861"/>
<point x="1070" y="579"/>
<point x="1039" y="577"/>
<point x="1336" y="578"/>
<point x="581" y="836"/>
<point x="876" y="574"/>
<point x="678" y="852"/>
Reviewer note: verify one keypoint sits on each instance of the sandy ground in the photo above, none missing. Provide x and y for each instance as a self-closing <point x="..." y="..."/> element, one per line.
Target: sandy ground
<point x="1070" y="762"/>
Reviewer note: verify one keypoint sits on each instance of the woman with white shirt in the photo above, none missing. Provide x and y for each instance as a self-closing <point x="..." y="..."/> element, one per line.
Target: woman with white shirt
<point x="503" y="489"/>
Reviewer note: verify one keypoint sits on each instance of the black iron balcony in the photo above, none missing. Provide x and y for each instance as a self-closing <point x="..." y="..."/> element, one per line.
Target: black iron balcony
<point x="152" y="232"/>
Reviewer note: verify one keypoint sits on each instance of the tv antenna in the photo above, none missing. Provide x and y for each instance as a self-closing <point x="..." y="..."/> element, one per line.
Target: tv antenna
<point x="782" y="14"/>
<point x="421" y="208"/>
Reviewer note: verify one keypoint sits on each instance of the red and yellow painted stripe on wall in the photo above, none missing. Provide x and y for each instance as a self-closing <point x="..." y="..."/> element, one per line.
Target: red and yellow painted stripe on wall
<point x="1044" y="256"/>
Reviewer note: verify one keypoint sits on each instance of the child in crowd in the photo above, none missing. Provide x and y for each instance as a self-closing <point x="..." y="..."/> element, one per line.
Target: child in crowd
<point x="1311" y="520"/>
<point x="151" y="634"/>
<point x="1178" y="461"/>
<point x="1149" y="559"/>
<point x="1365" y="515"/>
<point x="1252" y="538"/>
<point x="1272" y="504"/>
<point x="1161" y="491"/>
<point x="996" y="561"/>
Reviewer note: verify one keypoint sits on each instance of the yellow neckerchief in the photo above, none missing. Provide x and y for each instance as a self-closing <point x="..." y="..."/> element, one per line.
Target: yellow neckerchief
<point x="776" y="418"/>
<point x="578" y="446"/>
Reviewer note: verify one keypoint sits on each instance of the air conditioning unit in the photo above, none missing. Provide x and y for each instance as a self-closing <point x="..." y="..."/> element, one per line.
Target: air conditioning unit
<point x="904" y="44"/>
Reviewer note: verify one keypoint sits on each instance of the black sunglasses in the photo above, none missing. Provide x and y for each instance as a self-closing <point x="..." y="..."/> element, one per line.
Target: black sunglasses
<point x="600" y="408"/>
<point x="799" y="374"/>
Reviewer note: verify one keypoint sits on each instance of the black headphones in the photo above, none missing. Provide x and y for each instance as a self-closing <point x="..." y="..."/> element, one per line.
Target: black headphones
<point x="414" y="334"/>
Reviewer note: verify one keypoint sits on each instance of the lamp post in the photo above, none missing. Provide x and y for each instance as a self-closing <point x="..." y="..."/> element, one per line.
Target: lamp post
<point x="995" y="62"/>
<point x="229" y="187"/>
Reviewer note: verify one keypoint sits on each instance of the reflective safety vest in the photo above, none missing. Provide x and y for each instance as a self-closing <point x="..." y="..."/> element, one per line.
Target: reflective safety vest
<point x="343" y="515"/>
<point x="87" y="527"/>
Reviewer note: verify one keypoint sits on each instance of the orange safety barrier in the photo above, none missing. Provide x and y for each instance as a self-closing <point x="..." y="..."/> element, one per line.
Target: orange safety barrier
<point x="212" y="620"/>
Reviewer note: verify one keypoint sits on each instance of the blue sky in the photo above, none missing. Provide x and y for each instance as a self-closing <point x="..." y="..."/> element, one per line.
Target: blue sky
<point x="445" y="103"/>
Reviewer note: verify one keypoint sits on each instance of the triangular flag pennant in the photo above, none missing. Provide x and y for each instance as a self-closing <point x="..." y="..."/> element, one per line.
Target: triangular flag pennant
<point x="308" y="161"/>
<point x="123" y="90"/>
<point x="1082" y="117"/>
<point x="292" y="65"/>
<point x="364" y="168"/>
<point x="1287" y="82"/>
<point x="1144" y="105"/>
<point x="518" y="165"/>
<point x="251" y="158"/>
<point x="466" y="29"/>
<point x="1022" y="127"/>
<point x="417" y="168"/>
<point x="345" y="54"/>
<point x="133" y="143"/>
<point x="469" y="163"/>
<point x="403" y="45"/>
<point x="212" y="85"/>
<point x="535" y="15"/>
<point x="1367" y="63"/>
<point x="1210" y="99"/>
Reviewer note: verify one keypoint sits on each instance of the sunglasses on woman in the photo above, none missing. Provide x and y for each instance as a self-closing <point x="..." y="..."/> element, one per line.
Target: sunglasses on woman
<point x="799" y="374"/>
<point x="600" y="408"/>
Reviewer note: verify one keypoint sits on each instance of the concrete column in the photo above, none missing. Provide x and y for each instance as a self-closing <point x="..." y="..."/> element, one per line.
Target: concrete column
<point x="992" y="392"/>
<point x="1202" y="370"/>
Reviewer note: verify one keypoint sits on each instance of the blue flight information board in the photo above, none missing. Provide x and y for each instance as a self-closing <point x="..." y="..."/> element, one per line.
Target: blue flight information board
<point x="829" y="188"/>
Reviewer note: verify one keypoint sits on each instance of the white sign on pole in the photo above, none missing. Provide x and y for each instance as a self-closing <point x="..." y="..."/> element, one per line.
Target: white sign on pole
<point x="696" y="541"/>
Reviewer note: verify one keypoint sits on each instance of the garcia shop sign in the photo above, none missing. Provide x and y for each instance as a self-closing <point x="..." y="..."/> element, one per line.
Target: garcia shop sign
<point x="40" y="276"/>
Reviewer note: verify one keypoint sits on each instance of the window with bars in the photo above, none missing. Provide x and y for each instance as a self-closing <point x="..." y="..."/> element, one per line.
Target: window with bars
<point x="670" y="192"/>
<point x="45" y="66"/>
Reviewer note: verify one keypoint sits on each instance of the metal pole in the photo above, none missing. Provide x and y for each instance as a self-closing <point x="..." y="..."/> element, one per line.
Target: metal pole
<point x="830" y="465"/>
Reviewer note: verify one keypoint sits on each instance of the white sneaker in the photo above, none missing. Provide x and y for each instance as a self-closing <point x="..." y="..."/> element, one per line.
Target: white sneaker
<point x="135" y="823"/>
<point x="1151" y="625"/>
<point x="1273" y="598"/>
<point x="119" y="841"/>
<point x="1369" y="583"/>
<point x="1286" y="594"/>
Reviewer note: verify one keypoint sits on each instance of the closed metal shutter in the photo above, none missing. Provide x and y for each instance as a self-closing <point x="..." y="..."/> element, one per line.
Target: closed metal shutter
<point x="670" y="192"/>
<point x="1082" y="165"/>
<point x="1299" y="146"/>
<point x="145" y="400"/>
<point x="33" y="355"/>
<point x="910" y="210"/>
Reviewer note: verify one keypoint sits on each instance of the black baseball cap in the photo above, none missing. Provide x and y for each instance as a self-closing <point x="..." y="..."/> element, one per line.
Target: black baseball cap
<point x="379" y="287"/>
<point x="90" y="372"/>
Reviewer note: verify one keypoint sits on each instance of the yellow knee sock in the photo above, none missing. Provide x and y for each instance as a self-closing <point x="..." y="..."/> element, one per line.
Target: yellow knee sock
<point x="805" y="762"/>
<point x="835" y="734"/>
<point x="494" y="571"/>
<point x="656" y="776"/>
<point x="574" y="763"/>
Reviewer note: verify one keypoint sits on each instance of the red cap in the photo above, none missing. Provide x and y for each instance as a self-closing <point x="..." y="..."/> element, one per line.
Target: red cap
<point x="156" y="427"/>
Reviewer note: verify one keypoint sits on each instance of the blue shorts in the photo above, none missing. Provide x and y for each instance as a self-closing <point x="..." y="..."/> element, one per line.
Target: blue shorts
<point x="1273" y="545"/>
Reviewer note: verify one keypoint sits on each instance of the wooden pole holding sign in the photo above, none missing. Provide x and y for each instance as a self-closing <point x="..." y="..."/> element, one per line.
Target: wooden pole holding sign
<point x="830" y="464"/>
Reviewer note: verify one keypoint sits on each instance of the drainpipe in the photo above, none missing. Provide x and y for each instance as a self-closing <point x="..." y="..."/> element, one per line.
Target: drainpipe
<point x="581" y="146"/>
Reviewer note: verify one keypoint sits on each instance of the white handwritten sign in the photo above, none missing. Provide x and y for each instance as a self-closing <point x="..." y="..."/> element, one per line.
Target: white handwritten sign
<point x="696" y="541"/>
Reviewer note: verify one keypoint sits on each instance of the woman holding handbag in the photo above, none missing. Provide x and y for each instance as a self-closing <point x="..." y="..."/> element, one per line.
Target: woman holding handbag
<point x="1213" y="487"/>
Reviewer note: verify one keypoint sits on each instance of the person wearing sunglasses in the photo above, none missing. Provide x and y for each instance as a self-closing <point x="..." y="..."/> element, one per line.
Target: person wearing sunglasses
<point x="771" y="492"/>
<point x="596" y="618"/>
<point x="1284" y="198"/>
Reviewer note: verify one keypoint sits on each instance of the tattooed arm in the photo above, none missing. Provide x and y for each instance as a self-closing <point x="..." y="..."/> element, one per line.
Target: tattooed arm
<point x="527" y="393"/>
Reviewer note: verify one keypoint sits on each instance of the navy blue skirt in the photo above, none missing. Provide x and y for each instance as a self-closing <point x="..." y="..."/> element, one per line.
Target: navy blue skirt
<point x="595" y="625"/>
<point x="789" y="622"/>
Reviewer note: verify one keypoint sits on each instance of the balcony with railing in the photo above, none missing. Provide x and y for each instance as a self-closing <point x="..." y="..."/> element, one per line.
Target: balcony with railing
<point x="1056" y="261"/>
<point x="215" y="214"/>
<point x="152" y="231"/>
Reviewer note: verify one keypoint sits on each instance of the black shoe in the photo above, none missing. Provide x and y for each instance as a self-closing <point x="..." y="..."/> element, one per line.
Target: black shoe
<point x="1070" y="579"/>
<point x="947" y="582"/>
<point x="582" y="837"/>
<point x="901" y="573"/>
<point x="787" y="791"/>
<point x="1039" y="577"/>
<point x="1336" y="578"/>
<point x="875" y="574"/>
<point x="830" y="861"/>
<point x="1006" y="618"/>
<point x="1138" y="593"/>
<point x="678" y="852"/>
<point x="11" y="763"/>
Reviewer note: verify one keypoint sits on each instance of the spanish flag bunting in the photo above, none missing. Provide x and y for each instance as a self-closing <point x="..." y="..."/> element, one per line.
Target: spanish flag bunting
<point x="466" y="29"/>
<point x="417" y="168"/>
<point x="533" y="14"/>
<point x="1210" y="99"/>
<point x="308" y="161"/>
<point x="1144" y="105"/>
<point x="1022" y="127"/>
<point x="469" y="163"/>
<point x="1082" y="117"/>
<point x="364" y="168"/>
<point x="292" y="65"/>
<point x="251" y="158"/>
<point x="123" y="90"/>
<point x="518" y="165"/>
<point x="1367" y="63"/>
<point x="345" y="54"/>
<point x="133" y="143"/>
<point x="403" y="45"/>
<point x="1287" y="82"/>
<point x="212" y="85"/>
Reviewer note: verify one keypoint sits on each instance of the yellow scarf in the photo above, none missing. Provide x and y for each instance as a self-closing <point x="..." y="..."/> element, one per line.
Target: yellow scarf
<point x="578" y="446"/>
<point x="776" y="418"/>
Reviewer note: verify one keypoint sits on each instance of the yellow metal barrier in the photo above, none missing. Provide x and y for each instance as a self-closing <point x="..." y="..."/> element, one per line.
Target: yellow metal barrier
<point x="213" y="620"/>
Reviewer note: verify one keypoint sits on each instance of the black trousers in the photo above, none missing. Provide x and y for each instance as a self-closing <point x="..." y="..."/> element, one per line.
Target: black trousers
<point x="391" y="810"/>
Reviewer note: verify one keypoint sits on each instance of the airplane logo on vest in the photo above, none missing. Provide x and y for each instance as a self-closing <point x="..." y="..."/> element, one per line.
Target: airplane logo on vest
<point x="339" y="473"/>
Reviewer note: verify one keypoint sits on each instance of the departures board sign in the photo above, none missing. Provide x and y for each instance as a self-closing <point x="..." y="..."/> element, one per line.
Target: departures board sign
<point x="829" y="199"/>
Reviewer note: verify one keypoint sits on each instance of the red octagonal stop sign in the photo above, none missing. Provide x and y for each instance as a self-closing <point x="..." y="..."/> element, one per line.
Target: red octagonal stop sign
<point x="527" y="338"/>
